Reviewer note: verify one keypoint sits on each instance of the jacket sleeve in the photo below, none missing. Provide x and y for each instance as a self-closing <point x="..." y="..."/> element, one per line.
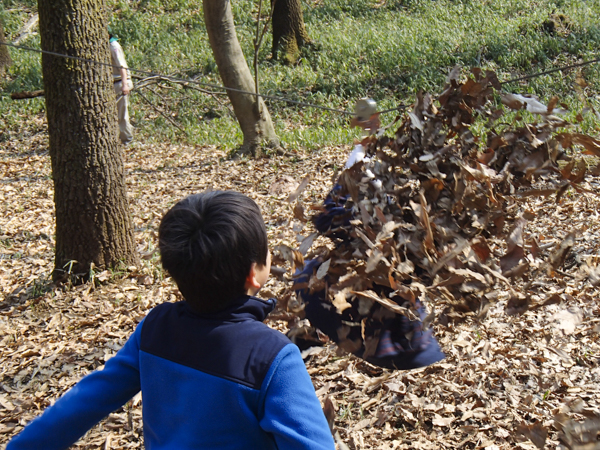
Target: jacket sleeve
<point x="86" y="403"/>
<point x="292" y="411"/>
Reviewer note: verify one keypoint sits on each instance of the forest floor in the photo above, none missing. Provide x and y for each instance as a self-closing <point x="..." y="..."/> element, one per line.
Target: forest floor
<point x="505" y="378"/>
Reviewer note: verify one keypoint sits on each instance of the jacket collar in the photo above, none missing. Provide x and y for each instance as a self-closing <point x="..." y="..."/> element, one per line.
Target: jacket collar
<point x="246" y="307"/>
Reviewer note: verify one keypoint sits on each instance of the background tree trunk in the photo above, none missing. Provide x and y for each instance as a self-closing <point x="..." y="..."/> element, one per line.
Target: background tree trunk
<point x="5" y="60"/>
<point x="92" y="212"/>
<point x="251" y="111"/>
<point x="288" y="29"/>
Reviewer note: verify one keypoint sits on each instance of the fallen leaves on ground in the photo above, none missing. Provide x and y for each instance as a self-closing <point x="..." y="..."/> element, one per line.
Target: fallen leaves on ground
<point x="509" y="381"/>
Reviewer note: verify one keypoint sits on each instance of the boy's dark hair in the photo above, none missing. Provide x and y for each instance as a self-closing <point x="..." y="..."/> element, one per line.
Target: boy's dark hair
<point x="208" y="243"/>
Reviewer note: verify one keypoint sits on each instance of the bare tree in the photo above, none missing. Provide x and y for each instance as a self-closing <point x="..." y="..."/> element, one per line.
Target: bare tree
<point x="250" y="110"/>
<point x="92" y="213"/>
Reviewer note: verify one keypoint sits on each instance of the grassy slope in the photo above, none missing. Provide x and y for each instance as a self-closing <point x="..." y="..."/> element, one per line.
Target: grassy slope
<point x="387" y="50"/>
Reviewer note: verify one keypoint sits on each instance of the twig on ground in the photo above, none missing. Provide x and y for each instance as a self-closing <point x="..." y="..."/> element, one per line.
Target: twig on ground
<point x="26" y="94"/>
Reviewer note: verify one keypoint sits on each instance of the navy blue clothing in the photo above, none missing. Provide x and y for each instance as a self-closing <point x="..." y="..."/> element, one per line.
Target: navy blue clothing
<point x="401" y="343"/>
<point x="334" y="222"/>
<point x="223" y="380"/>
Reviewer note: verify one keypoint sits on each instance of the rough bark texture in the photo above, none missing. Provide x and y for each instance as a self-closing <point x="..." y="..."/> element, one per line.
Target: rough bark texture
<point x="5" y="60"/>
<point x="251" y="112"/>
<point x="92" y="212"/>
<point x="288" y="29"/>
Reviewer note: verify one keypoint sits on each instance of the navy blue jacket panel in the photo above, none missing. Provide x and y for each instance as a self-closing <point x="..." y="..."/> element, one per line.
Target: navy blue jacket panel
<point x="174" y="332"/>
<point x="223" y="381"/>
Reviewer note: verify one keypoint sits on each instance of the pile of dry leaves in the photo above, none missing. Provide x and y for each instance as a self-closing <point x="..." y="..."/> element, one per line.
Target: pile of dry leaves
<point x="421" y="207"/>
<point x="462" y="231"/>
<point x="436" y="213"/>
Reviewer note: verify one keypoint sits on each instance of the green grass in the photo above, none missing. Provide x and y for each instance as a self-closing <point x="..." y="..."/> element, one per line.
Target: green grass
<point x="385" y="50"/>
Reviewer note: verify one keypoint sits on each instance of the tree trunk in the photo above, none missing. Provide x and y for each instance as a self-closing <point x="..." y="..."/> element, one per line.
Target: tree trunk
<point x="251" y="111"/>
<point x="92" y="212"/>
<point x="5" y="60"/>
<point x="288" y="29"/>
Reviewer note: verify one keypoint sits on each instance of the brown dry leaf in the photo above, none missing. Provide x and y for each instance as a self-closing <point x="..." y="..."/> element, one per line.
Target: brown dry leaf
<point x="511" y="259"/>
<point x="512" y="102"/>
<point x="387" y="303"/>
<point x="552" y="104"/>
<point x="299" y="212"/>
<point x="481" y="248"/>
<point x="517" y="305"/>
<point x="283" y="185"/>
<point x="568" y="320"/>
<point x="329" y="411"/>
<point x="340" y="302"/>
<point x="558" y="257"/>
<point x="292" y="256"/>
<point x="591" y="145"/>
<point x="536" y="433"/>
<point x="349" y="184"/>
<point x="307" y="243"/>
<point x="515" y="244"/>
<point x="322" y="270"/>
<point x="442" y="421"/>
<point x="372" y="124"/>
<point x="303" y="185"/>
<point x="578" y="435"/>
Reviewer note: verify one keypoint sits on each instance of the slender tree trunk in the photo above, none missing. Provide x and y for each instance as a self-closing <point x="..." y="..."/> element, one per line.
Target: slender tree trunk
<point x="5" y="60"/>
<point x="288" y="29"/>
<point x="92" y="212"/>
<point x="251" y="111"/>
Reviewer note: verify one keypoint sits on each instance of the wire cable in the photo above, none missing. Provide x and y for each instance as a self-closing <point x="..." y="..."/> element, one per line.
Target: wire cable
<point x="274" y="97"/>
<point x="558" y="69"/>
<point x="181" y="80"/>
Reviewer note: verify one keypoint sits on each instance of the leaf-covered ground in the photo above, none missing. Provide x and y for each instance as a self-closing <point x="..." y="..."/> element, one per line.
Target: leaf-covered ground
<point x="505" y="378"/>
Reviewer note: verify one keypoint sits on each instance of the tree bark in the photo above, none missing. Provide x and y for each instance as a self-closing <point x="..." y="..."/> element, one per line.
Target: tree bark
<point x="5" y="60"/>
<point x="288" y="29"/>
<point x="92" y="212"/>
<point x="251" y="111"/>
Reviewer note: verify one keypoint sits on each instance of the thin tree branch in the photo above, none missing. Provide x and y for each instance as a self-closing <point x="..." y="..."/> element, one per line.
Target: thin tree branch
<point x="258" y="38"/>
<point x="164" y="100"/>
<point x="156" y="78"/>
<point x="266" y="27"/>
<point x="257" y="48"/>
<point x="27" y="29"/>
<point x="175" y="124"/>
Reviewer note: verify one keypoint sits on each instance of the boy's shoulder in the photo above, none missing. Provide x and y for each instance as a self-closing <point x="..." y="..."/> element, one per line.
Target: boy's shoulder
<point x="234" y="344"/>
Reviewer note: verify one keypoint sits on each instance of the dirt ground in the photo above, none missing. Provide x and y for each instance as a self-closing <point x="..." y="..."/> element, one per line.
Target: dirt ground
<point x="507" y="382"/>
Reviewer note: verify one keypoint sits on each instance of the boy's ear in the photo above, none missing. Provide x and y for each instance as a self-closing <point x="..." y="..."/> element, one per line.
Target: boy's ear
<point x="251" y="282"/>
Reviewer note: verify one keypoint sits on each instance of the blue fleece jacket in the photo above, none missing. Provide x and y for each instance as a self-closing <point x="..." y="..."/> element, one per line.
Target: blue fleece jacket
<point x="223" y="380"/>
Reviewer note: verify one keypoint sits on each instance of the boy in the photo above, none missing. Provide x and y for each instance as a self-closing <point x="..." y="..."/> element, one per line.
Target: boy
<point x="212" y="375"/>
